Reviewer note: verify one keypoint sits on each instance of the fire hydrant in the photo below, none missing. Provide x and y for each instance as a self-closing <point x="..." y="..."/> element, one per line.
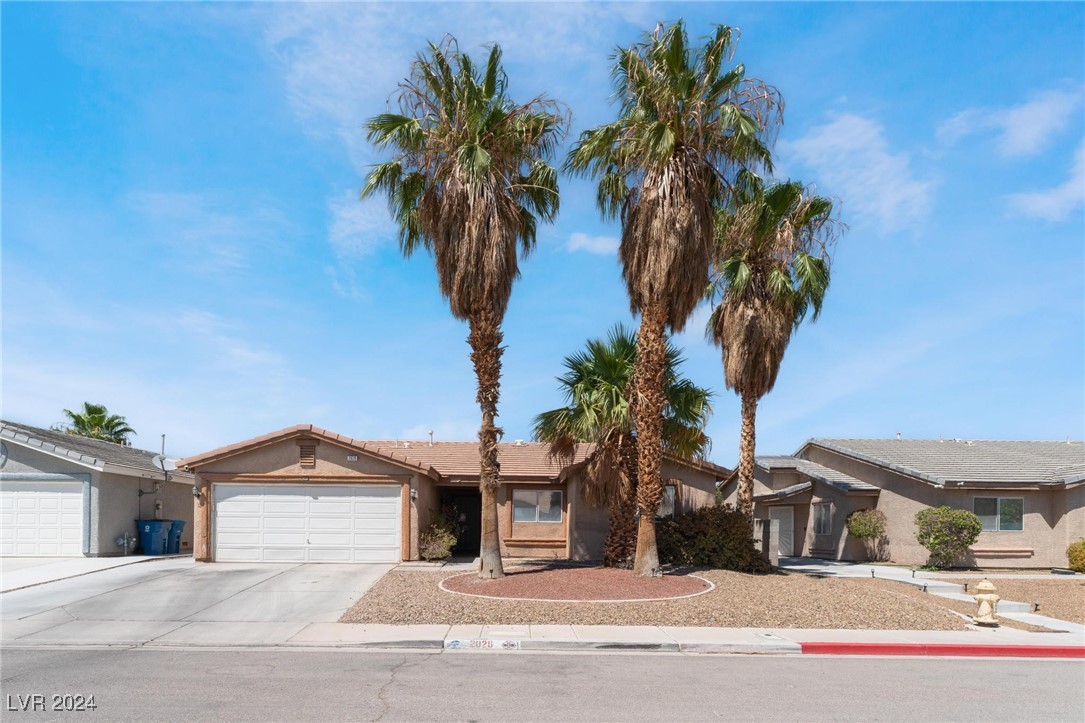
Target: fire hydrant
<point x="987" y="601"/>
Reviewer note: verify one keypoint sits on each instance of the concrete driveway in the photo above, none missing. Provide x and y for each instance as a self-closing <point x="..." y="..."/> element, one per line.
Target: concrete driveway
<point x="193" y="603"/>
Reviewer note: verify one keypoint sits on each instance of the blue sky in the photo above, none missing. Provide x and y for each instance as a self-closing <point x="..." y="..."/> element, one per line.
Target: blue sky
<point x="182" y="239"/>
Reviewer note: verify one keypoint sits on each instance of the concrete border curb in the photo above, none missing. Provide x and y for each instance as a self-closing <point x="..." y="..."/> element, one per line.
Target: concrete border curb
<point x="945" y="649"/>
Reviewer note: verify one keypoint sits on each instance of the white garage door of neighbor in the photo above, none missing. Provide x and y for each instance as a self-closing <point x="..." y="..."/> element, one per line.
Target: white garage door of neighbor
<point x="307" y="523"/>
<point x="41" y="519"/>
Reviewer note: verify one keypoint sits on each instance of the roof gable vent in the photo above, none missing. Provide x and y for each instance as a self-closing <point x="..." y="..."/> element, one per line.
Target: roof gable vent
<point x="307" y="452"/>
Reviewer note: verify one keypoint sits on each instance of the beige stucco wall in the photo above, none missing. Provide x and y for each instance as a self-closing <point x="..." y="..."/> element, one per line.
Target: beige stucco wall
<point x="902" y="497"/>
<point x="517" y="537"/>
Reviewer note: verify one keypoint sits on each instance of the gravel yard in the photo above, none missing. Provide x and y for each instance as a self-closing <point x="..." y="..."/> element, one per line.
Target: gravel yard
<point x="562" y="582"/>
<point x="1062" y="599"/>
<point x="764" y="601"/>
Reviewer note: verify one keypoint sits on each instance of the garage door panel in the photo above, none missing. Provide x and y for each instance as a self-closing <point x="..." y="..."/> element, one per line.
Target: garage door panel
<point x="307" y="523"/>
<point x="41" y="519"/>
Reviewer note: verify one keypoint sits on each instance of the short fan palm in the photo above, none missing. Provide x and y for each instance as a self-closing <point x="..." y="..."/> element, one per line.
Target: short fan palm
<point x="598" y="390"/>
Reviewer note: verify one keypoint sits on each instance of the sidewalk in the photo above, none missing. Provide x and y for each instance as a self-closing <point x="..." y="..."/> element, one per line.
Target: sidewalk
<point x="999" y="642"/>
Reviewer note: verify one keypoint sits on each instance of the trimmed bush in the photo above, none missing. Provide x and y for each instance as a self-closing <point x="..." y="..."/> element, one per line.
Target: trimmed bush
<point x="717" y="537"/>
<point x="947" y="533"/>
<point x="869" y="526"/>
<point x="1075" y="554"/>
<point x="436" y="542"/>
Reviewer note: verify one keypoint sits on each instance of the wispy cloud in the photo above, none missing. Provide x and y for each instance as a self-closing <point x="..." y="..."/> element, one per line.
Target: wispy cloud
<point x="851" y="158"/>
<point x="592" y="244"/>
<point x="1055" y="204"/>
<point x="357" y="228"/>
<point x="1021" y="130"/>
<point x="207" y="233"/>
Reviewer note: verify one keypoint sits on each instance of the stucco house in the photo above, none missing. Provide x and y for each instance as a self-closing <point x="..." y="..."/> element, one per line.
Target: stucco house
<point x="1030" y="496"/>
<point x="309" y="495"/>
<point x="63" y="495"/>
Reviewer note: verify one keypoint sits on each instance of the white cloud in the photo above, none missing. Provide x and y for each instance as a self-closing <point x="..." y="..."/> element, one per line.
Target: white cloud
<point x="207" y="233"/>
<point x="592" y="244"/>
<point x="851" y="156"/>
<point x="1023" y="129"/>
<point x="1055" y="204"/>
<point x="358" y="228"/>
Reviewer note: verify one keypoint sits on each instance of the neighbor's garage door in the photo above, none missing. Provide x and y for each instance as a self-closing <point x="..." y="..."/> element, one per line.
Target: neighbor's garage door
<point x="41" y="519"/>
<point x="307" y="523"/>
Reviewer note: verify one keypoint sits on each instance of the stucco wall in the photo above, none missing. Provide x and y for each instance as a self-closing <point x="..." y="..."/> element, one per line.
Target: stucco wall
<point x="902" y="497"/>
<point x="24" y="460"/>
<point x="116" y="498"/>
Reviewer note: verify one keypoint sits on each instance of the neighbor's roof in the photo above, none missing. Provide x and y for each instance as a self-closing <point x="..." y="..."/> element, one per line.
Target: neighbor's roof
<point x="783" y="494"/>
<point x="978" y="461"/>
<point x="519" y="460"/>
<point x="94" y="453"/>
<point x="813" y="470"/>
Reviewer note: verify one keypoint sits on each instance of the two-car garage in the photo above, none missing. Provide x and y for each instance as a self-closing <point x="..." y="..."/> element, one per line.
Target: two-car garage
<point x="307" y="523"/>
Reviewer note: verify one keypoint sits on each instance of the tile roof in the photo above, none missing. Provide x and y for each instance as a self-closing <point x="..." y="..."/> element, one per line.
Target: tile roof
<point x="821" y="473"/>
<point x="92" y="452"/>
<point x="784" y="492"/>
<point x="978" y="461"/>
<point x="524" y="460"/>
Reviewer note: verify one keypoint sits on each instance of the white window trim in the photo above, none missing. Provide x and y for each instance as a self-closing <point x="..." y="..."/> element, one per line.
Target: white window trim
<point x="561" y="507"/>
<point x="998" y="512"/>
<point x="830" y="518"/>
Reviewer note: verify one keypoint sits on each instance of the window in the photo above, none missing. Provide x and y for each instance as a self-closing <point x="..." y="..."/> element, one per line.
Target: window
<point x="1000" y="514"/>
<point x="823" y="518"/>
<point x="668" y="504"/>
<point x="536" y="505"/>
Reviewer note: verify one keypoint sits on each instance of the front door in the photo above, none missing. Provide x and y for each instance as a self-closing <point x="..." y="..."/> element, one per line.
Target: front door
<point x="465" y="507"/>
<point x="785" y="522"/>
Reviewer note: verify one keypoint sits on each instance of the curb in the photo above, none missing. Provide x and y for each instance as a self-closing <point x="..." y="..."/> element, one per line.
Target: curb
<point x="945" y="649"/>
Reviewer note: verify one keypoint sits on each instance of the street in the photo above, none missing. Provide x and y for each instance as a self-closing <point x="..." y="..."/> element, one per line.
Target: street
<point x="140" y="684"/>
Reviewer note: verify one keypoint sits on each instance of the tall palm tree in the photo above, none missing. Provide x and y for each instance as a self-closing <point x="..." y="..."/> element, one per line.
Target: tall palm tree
<point x="686" y="122"/>
<point x="597" y="386"/>
<point x="95" y="421"/>
<point x="468" y="180"/>
<point x="772" y="269"/>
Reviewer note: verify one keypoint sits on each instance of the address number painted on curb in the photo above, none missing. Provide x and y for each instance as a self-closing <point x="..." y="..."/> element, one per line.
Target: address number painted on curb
<point x="482" y="644"/>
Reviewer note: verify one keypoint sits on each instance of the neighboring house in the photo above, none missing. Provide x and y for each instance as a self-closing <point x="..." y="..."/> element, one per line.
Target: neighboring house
<point x="62" y="495"/>
<point x="1030" y="496"/>
<point x="306" y="494"/>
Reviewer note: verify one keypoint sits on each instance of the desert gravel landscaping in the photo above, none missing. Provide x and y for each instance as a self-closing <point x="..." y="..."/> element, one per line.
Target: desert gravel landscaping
<point x="738" y="600"/>
<point x="1062" y="599"/>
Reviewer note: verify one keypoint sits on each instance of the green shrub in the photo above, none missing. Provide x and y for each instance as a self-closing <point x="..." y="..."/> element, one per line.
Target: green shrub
<point x="947" y="533"/>
<point x="717" y="537"/>
<point x="1075" y="554"/>
<point x="869" y="526"/>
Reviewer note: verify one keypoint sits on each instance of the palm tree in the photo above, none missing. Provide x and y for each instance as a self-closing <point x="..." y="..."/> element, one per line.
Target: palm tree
<point x="597" y="386"/>
<point x="95" y="421"/>
<point x="686" y="122"/>
<point x="468" y="180"/>
<point x="772" y="269"/>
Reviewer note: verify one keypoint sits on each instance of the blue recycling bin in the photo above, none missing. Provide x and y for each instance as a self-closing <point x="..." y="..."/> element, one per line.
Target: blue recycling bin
<point x="173" y="545"/>
<point x="152" y="536"/>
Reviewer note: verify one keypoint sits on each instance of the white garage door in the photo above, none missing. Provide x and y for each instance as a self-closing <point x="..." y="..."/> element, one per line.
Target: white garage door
<point x="41" y="519"/>
<point x="307" y="523"/>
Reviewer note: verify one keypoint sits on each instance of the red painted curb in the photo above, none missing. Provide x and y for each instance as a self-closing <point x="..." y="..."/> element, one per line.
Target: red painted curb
<point x="978" y="651"/>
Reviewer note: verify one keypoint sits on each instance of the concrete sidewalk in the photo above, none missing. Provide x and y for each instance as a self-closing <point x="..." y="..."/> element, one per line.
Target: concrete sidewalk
<point x="160" y="635"/>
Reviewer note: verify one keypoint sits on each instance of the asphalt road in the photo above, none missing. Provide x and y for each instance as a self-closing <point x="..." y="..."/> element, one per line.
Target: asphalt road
<point x="135" y="684"/>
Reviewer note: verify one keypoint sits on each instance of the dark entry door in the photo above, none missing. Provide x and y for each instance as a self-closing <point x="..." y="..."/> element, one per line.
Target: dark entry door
<point x="468" y="510"/>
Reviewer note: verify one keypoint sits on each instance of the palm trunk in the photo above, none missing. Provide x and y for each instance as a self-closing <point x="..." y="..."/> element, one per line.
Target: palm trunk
<point x="650" y="370"/>
<point x="485" y="340"/>
<point x="746" y="454"/>
<point x="621" y="544"/>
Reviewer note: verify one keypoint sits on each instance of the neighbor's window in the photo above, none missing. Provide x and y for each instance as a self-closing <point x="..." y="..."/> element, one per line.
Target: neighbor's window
<point x="823" y="518"/>
<point x="667" y="503"/>
<point x="536" y="505"/>
<point x="1000" y="514"/>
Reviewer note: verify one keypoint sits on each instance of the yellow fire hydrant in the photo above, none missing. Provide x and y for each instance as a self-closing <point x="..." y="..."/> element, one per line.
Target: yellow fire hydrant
<point x="987" y="601"/>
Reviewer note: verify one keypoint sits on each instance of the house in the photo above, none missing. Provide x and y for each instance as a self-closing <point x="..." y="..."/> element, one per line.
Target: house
<point x="307" y="494"/>
<point x="62" y="495"/>
<point x="1030" y="496"/>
